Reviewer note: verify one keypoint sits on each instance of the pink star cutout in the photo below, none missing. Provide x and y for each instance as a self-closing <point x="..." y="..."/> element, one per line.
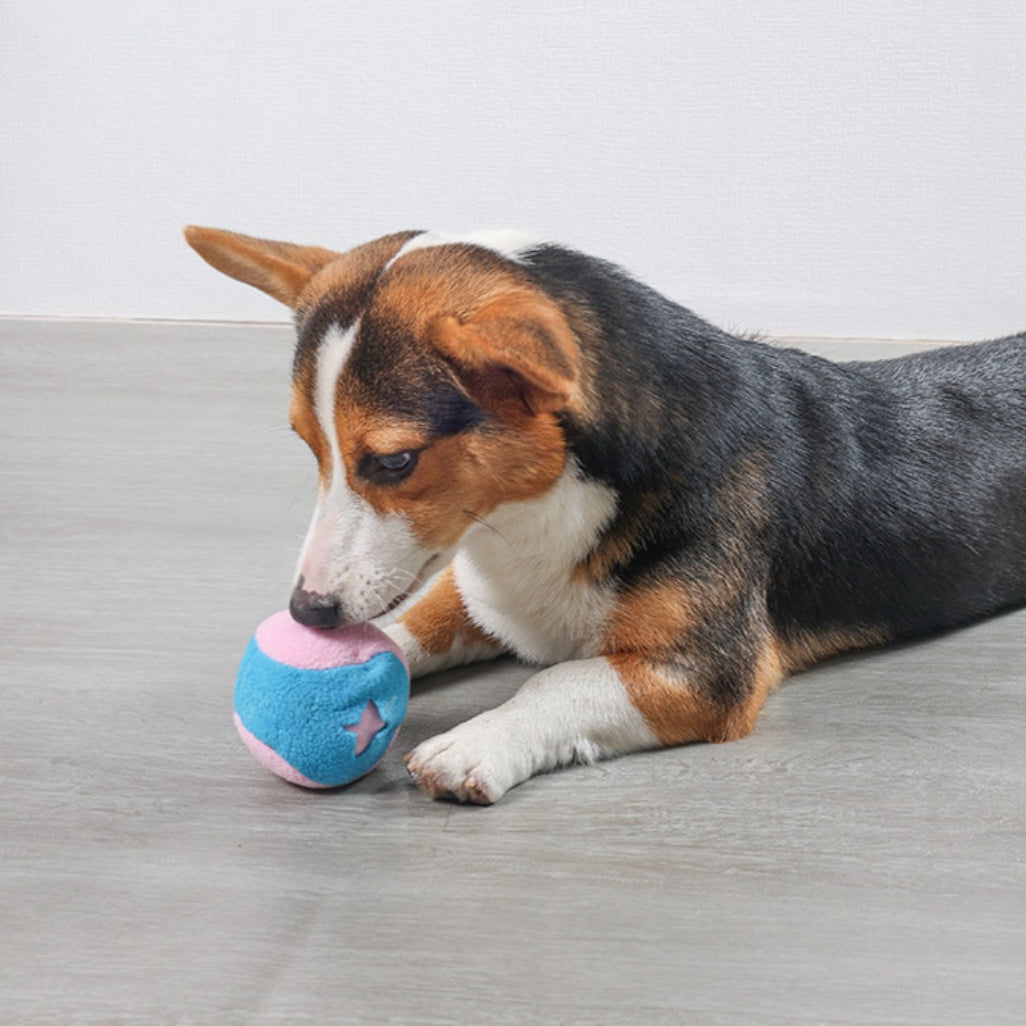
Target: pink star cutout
<point x="369" y="725"/>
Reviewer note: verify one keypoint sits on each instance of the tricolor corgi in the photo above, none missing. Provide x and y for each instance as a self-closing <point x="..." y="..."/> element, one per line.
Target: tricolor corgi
<point x="665" y="518"/>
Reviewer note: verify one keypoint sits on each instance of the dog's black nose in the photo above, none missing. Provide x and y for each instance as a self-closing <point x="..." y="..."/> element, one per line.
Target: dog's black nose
<point x="312" y="609"/>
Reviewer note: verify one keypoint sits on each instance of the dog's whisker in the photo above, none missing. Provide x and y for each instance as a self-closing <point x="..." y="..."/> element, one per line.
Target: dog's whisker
<point x="484" y="523"/>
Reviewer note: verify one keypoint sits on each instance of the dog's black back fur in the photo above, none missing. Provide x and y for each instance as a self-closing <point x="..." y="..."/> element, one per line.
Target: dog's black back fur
<point x="887" y="495"/>
<point x="921" y="521"/>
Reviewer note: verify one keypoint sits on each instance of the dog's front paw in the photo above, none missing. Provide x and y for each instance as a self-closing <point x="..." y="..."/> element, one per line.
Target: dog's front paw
<point x="471" y="762"/>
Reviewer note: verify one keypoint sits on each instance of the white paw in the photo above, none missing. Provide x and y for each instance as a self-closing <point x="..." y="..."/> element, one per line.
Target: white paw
<point x="472" y="763"/>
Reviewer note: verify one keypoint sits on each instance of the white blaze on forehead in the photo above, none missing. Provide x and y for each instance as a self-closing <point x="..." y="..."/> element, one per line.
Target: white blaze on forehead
<point x="331" y="359"/>
<point x="508" y="243"/>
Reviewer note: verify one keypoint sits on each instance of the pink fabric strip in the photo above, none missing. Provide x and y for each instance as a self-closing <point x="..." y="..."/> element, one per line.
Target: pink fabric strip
<point x="270" y="759"/>
<point x="286" y="641"/>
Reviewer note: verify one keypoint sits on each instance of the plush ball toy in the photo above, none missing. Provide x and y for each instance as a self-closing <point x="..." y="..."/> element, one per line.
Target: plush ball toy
<point x="320" y="707"/>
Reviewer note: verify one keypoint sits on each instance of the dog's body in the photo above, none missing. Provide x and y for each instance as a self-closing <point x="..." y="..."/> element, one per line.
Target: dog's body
<point x="670" y="518"/>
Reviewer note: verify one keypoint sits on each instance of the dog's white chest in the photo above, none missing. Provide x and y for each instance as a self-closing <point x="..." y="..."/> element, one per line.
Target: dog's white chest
<point x="516" y="572"/>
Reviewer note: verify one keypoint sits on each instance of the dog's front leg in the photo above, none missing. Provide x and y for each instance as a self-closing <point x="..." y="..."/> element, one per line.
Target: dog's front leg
<point x="573" y="712"/>
<point x="436" y="632"/>
<point x="591" y="709"/>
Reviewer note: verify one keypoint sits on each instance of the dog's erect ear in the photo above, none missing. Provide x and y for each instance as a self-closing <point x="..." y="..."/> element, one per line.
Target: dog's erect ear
<point x="280" y="269"/>
<point x="520" y="337"/>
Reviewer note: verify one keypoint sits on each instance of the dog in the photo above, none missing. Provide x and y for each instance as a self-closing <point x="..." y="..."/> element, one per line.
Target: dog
<point x="667" y="519"/>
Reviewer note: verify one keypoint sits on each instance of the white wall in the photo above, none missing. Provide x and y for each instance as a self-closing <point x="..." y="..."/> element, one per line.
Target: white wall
<point x="802" y="167"/>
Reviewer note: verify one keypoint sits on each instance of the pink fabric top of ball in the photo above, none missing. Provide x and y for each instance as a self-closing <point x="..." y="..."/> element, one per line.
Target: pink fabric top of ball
<point x="305" y="648"/>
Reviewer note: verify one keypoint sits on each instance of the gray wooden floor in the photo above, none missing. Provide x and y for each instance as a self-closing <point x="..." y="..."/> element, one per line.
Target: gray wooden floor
<point x="860" y="859"/>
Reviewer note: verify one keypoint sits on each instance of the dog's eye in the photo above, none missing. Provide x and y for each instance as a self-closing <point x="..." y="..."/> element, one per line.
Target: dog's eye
<point x="389" y="468"/>
<point x="395" y="462"/>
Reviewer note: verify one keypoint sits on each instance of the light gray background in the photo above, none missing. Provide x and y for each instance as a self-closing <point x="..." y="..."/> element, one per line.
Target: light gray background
<point x="844" y="169"/>
<point x="798" y="167"/>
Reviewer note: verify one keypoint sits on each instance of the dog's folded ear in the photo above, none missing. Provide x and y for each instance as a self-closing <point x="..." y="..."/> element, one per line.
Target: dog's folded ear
<point x="280" y="269"/>
<point x="519" y="340"/>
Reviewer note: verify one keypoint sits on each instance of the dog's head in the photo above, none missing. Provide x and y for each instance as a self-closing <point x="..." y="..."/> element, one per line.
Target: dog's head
<point x="429" y="376"/>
